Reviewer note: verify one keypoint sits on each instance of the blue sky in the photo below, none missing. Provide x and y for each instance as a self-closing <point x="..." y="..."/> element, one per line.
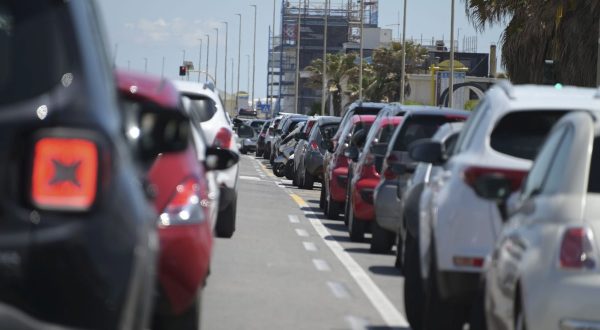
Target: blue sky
<point x="154" y="29"/>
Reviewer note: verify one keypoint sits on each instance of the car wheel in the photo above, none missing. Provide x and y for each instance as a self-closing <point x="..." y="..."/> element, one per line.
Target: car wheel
<point x="413" y="284"/>
<point x="308" y="181"/>
<point x="437" y="313"/>
<point x="520" y="323"/>
<point x="332" y="208"/>
<point x="225" y="226"/>
<point x="259" y="152"/>
<point x="189" y="320"/>
<point x="243" y="151"/>
<point x="347" y="206"/>
<point x="399" y="264"/>
<point x="289" y="170"/>
<point x="356" y="227"/>
<point x="381" y="240"/>
<point x="322" y="201"/>
<point x="279" y="170"/>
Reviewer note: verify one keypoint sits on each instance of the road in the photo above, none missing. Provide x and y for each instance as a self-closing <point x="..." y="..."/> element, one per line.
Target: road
<point x="287" y="267"/>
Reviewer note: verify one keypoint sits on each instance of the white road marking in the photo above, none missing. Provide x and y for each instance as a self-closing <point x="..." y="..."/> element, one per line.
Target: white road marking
<point x="302" y="232"/>
<point x="321" y="265"/>
<point x="310" y="246"/>
<point x="294" y="218"/>
<point x="339" y="290"/>
<point x="389" y="313"/>
<point x="250" y="178"/>
<point x="357" y="323"/>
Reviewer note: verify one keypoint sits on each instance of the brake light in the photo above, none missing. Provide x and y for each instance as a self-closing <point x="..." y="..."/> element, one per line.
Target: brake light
<point x="223" y="138"/>
<point x="65" y="174"/>
<point x="471" y="175"/>
<point x="314" y="145"/>
<point x="309" y="127"/>
<point x="389" y="174"/>
<point x="185" y="207"/>
<point x="476" y="262"/>
<point x="576" y="249"/>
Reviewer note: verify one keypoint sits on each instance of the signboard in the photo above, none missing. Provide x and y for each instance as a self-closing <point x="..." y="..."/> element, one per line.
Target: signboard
<point x="443" y="82"/>
<point x="265" y="108"/>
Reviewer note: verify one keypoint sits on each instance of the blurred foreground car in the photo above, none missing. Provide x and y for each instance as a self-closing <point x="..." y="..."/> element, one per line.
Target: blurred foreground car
<point x="207" y="111"/>
<point x="78" y="236"/>
<point x="544" y="270"/>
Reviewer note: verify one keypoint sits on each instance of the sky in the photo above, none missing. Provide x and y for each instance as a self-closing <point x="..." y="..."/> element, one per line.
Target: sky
<point x="143" y="32"/>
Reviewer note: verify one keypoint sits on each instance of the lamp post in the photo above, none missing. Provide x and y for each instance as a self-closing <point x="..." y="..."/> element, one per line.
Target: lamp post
<point x="248" y="75"/>
<point x="232" y="67"/>
<point x="200" y="60"/>
<point x="451" y="81"/>
<point x="403" y="74"/>
<point x="360" y="74"/>
<point x="297" y="78"/>
<point x="253" y="57"/>
<point x="216" y="56"/>
<point x="145" y="65"/>
<point x="237" y="107"/>
<point x="324" y="70"/>
<point x="207" y="53"/>
<point x="225" y="62"/>
<point x="273" y="56"/>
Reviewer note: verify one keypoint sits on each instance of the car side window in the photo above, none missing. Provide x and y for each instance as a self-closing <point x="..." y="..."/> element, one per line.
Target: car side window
<point x="535" y="179"/>
<point x="553" y="181"/>
<point x="464" y="139"/>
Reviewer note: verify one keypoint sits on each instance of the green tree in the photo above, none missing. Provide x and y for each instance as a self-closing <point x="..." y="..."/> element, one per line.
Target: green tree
<point x="565" y="31"/>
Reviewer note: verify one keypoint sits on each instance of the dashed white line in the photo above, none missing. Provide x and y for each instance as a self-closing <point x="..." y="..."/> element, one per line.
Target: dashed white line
<point x="356" y="323"/>
<point x="321" y="265"/>
<point x="250" y="178"/>
<point x="294" y="218"/>
<point x="310" y="246"/>
<point x="302" y="232"/>
<point x="339" y="290"/>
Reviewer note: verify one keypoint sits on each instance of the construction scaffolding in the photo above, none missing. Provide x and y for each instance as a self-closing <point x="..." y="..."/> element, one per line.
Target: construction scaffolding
<point x="301" y="41"/>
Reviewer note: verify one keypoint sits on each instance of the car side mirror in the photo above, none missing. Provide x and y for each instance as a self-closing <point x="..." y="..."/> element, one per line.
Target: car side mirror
<point x="220" y="159"/>
<point x="496" y="188"/>
<point x="158" y="131"/>
<point x="427" y="151"/>
<point x="352" y="153"/>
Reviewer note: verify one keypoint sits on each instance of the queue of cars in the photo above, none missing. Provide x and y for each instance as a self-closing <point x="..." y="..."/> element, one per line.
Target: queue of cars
<point x="492" y="212"/>
<point x="114" y="183"/>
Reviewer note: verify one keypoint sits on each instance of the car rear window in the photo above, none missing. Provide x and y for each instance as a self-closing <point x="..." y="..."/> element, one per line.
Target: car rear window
<point x="203" y="108"/>
<point x="419" y="127"/>
<point x="594" y="178"/>
<point x="37" y="49"/>
<point x="366" y="110"/>
<point x="521" y="134"/>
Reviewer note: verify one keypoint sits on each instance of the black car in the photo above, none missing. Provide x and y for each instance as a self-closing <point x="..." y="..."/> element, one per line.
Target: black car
<point x="77" y="233"/>
<point x="260" y="143"/>
<point x="283" y="129"/>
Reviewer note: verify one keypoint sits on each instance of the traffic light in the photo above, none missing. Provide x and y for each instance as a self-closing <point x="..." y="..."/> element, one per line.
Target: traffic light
<point x="182" y="71"/>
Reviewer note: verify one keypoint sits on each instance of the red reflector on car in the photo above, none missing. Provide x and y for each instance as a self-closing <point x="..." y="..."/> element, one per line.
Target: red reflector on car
<point x="65" y="174"/>
<point x="314" y="145"/>
<point x="468" y="261"/>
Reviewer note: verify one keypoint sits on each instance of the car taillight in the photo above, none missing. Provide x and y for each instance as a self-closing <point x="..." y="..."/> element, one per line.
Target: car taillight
<point x="471" y="175"/>
<point x="185" y="207"/>
<point x="65" y="174"/>
<point x="223" y="138"/>
<point x="314" y="145"/>
<point x="389" y="174"/>
<point x="576" y="249"/>
<point x="462" y="261"/>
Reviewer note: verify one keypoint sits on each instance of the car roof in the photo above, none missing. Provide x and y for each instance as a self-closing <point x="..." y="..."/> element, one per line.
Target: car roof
<point x="145" y="87"/>
<point x="434" y="111"/>
<point x="328" y="120"/>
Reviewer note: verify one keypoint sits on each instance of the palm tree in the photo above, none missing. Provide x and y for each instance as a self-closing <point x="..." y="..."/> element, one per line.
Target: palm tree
<point x="540" y="30"/>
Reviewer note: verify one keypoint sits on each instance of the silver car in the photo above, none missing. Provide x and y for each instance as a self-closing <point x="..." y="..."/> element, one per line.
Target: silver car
<point x="544" y="271"/>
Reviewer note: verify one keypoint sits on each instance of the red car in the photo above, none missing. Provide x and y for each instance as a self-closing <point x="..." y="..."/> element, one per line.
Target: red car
<point x="181" y="197"/>
<point x="366" y="176"/>
<point x="336" y="177"/>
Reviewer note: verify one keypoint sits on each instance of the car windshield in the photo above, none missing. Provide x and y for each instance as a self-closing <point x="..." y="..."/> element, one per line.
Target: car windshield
<point x="35" y="41"/>
<point x="419" y="127"/>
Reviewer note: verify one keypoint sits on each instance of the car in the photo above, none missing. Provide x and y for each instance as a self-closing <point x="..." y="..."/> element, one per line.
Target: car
<point x="286" y="125"/>
<point x="257" y="124"/>
<point x="336" y="177"/>
<point x="502" y="136"/>
<point x="182" y="199"/>
<point x="260" y="142"/>
<point x="447" y="135"/>
<point x="364" y="174"/>
<point x="207" y="111"/>
<point x="549" y="238"/>
<point x="270" y="135"/>
<point x="78" y="231"/>
<point x="284" y="163"/>
<point x="247" y="138"/>
<point x="309" y="152"/>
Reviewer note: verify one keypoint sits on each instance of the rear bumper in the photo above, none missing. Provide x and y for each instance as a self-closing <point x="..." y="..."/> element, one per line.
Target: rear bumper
<point x="338" y="183"/>
<point x="362" y="199"/>
<point x="387" y="206"/>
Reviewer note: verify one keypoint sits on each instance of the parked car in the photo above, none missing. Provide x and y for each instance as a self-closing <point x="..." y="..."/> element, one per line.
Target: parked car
<point x="309" y="152"/>
<point x="78" y="238"/>
<point x="364" y="176"/>
<point x="545" y="258"/>
<point x="247" y="137"/>
<point x="270" y="136"/>
<point x="261" y="141"/>
<point x="447" y="135"/>
<point x="207" y="111"/>
<point x="283" y="130"/>
<point x="502" y="136"/>
<point x="336" y="177"/>
<point x="284" y="163"/>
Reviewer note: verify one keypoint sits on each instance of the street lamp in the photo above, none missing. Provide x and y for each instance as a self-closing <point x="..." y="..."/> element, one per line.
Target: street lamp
<point x="216" y="56"/>
<point x="207" y="53"/>
<point x="324" y="70"/>
<point x="360" y="75"/>
<point x="145" y="65"/>
<point x="237" y="106"/>
<point x="273" y="56"/>
<point x="225" y="62"/>
<point x="297" y="78"/>
<point x="403" y="74"/>
<point x="254" y="57"/>
<point x="451" y="82"/>
<point x="248" y="75"/>
<point x="200" y="60"/>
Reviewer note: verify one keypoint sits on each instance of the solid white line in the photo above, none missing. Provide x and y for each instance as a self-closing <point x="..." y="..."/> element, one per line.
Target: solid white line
<point x="321" y="265"/>
<point x="339" y="290"/>
<point x="356" y="323"/>
<point x="302" y="232"/>
<point x="251" y="178"/>
<point x="310" y="246"/>
<point x="294" y="218"/>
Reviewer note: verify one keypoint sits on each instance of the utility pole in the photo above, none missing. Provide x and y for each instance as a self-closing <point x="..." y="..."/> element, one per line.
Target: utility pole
<point x="248" y="75"/>
<point x="216" y="57"/>
<point x="360" y="75"/>
<point x="273" y="58"/>
<point x="451" y="81"/>
<point x="207" y="53"/>
<point x="253" y="58"/>
<point x="298" y="33"/>
<point x="225" y="62"/>
<point x="162" y="71"/>
<point x="232" y="68"/>
<point x="403" y="74"/>
<point x="145" y="65"/>
<point x="237" y="106"/>
<point x="324" y="70"/>
<point x="200" y="60"/>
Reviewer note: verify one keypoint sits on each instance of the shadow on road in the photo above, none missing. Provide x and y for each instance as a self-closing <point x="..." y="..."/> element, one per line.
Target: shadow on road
<point x="335" y="226"/>
<point x="338" y="238"/>
<point x="385" y="270"/>
<point x="386" y="328"/>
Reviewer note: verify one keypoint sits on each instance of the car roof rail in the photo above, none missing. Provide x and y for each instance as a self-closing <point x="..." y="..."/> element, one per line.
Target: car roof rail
<point x="209" y="85"/>
<point x="507" y="87"/>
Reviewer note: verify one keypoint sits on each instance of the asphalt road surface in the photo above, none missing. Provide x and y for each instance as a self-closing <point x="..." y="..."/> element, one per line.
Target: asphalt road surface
<point x="287" y="267"/>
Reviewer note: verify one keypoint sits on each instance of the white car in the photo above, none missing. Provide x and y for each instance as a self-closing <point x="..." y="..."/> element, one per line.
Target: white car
<point x="206" y="109"/>
<point x="544" y="272"/>
<point x="458" y="229"/>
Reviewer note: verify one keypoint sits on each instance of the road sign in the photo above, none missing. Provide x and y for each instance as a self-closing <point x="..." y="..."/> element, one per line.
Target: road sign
<point x="265" y="108"/>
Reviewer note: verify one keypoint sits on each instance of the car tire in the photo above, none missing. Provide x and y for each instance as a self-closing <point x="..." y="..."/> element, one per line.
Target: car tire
<point x="279" y="170"/>
<point x="308" y="181"/>
<point x="225" y="226"/>
<point x="347" y="206"/>
<point x="381" y="240"/>
<point x="259" y="152"/>
<point x="520" y="322"/>
<point x="356" y="227"/>
<point x="332" y="208"/>
<point x="322" y="201"/>
<point x="289" y="170"/>
<point x="413" y="284"/>
<point x="399" y="263"/>
<point x="243" y="151"/>
<point x="437" y="313"/>
<point x="189" y="320"/>
<point x="477" y="319"/>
